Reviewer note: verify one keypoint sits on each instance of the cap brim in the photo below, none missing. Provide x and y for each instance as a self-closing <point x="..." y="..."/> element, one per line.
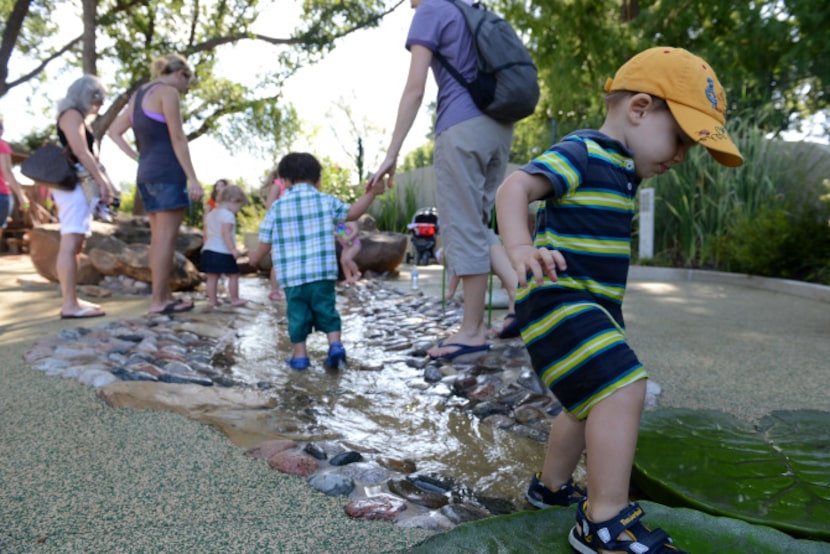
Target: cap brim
<point x="708" y="132"/>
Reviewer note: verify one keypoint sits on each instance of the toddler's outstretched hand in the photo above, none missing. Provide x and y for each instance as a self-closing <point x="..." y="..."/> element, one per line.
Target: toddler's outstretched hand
<point x="538" y="261"/>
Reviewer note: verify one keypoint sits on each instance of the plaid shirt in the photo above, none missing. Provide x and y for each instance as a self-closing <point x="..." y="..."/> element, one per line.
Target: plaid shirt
<point x="299" y="226"/>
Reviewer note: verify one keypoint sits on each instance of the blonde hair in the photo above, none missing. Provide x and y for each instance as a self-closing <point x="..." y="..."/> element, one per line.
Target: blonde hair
<point x="168" y="64"/>
<point x="233" y="192"/>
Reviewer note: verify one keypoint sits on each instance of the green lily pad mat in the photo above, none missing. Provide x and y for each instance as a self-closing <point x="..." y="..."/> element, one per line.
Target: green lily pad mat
<point x="775" y="473"/>
<point x="547" y="531"/>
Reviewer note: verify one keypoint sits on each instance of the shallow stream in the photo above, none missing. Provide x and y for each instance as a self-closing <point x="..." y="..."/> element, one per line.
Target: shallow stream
<point x="380" y="405"/>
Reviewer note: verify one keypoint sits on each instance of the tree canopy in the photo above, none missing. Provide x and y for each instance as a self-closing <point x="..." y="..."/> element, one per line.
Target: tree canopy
<point x="772" y="56"/>
<point x="124" y="36"/>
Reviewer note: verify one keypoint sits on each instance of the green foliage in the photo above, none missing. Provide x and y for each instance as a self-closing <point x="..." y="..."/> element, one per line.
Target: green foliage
<point x="578" y="45"/>
<point x="393" y="213"/>
<point x="419" y="157"/>
<point x="127" y="200"/>
<point x="338" y="182"/>
<point x="765" y="218"/>
<point x="696" y="200"/>
<point x="250" y="216"/>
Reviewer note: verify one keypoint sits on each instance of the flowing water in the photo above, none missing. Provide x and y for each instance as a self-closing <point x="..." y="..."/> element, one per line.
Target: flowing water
<point x="381" y="404"/>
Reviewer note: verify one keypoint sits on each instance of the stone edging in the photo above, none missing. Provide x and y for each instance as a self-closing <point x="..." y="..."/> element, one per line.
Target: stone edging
<point x="810" y="291"/>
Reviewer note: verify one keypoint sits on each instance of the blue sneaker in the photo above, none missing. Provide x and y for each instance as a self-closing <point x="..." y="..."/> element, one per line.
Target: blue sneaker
<point x="336" y="357"/>
<point x="542" y="497"/>
<point x="298" y="363"/>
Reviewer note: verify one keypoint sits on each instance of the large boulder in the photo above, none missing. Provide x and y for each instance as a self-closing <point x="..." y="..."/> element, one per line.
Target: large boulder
<point x="380" y="251"/>
<point x="118" y="248"/>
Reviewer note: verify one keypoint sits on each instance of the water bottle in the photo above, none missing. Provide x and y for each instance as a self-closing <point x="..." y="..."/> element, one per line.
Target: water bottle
<point x="414" y="276"/>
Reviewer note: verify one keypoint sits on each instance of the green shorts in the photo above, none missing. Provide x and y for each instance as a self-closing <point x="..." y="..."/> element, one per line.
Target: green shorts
<point x="311" y="306"/>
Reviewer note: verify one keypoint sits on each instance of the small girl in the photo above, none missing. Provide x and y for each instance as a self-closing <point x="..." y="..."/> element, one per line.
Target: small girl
<point x="346" y="234"/>
<point x="219" y="252"/>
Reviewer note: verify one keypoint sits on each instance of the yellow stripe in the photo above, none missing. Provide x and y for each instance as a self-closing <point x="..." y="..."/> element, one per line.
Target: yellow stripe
<point x="611" y="292"/>
<point x="581" y="410"/>
<point x="585" y="351"/>
<point x="541" y="327"/>
<point x="559" y="166"/>
<point x="579" y="244"/>
<point x="594" y="199"/>
<point x="597" y="151"/>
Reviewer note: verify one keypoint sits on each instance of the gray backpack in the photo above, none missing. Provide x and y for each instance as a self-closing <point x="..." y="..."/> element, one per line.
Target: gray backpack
<point x="506" y="86"/>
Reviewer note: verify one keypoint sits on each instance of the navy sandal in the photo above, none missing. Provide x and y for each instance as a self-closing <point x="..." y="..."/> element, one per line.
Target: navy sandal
<point x="588" y="537"/>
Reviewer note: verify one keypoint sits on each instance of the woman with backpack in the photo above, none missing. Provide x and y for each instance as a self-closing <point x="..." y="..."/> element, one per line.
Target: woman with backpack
<point x="470" y="160"/>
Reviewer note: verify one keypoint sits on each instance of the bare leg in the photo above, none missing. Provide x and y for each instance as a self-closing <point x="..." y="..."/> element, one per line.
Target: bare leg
<point x="212" y="283"/>
<point x="611" y="439"/>
<point x="66" y="266"/>
<point x="333" y="336"/>
<point x="164" y="228"/>
<point x="472" y="331"/>
<point x="299" y="350"/>
<point x="566" y="443"/>
<point x="233" y="290"/>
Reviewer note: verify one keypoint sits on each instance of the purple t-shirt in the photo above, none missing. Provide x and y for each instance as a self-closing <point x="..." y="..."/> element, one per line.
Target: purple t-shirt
<point x="438" y="25"/>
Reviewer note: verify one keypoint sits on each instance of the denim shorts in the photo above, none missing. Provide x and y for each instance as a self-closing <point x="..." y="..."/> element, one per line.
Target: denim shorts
<point x="161" y="197"/>
<point x="5" y="209"/>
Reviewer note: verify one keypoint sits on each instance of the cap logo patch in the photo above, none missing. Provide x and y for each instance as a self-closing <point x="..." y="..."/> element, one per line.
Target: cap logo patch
<point x="710" y="93"/>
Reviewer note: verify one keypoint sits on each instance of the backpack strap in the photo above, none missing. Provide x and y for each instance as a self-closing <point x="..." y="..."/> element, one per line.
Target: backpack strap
<point x="441" y="58"/>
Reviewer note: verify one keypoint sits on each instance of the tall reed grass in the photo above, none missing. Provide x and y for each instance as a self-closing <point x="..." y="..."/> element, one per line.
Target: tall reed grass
<point x="767" y="217"/>
<point x="696" y="201"/>
<point x="393" y="211"/>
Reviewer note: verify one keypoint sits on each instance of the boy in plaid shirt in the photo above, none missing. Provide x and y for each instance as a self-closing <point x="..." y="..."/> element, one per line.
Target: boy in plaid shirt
<point x="299" y="230"/>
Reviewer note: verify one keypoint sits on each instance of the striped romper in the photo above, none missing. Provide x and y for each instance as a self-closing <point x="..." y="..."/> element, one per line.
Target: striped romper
<point x="573" y="328"/>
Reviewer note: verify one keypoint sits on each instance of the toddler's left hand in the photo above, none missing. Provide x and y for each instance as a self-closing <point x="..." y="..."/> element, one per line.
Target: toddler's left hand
<point x="538" y="261"/>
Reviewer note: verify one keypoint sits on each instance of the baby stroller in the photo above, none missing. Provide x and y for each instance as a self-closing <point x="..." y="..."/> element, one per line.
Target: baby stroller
<point x="424" y="227"/>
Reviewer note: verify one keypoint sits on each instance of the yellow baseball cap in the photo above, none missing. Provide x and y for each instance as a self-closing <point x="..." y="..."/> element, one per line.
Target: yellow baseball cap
<point x="692" y="91"/>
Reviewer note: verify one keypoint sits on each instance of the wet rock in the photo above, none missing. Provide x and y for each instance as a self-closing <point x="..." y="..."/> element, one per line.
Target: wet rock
<point x="332" y="484"/>
<point x="376" y="507"/>
<point x="315" y="451"/>
<point x="126" y="375"/>
<point x="432" y="374"/>
<point x="463" y="513"/>
<point x="293" y="463"/>
<point x="496" y="506"/>
<point x="487" y="408"/>
<point x="527" y="414"/>
<point x="499" y="421"/>
<point x="366" y="473"/>
<point x="433" y="483"/>
<point x="345" y="458"/>
<point x="482" y="391"/>
<point x="185" y="379"/>
<point x="408" y="491"/>
<point x="401" y="466"/>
